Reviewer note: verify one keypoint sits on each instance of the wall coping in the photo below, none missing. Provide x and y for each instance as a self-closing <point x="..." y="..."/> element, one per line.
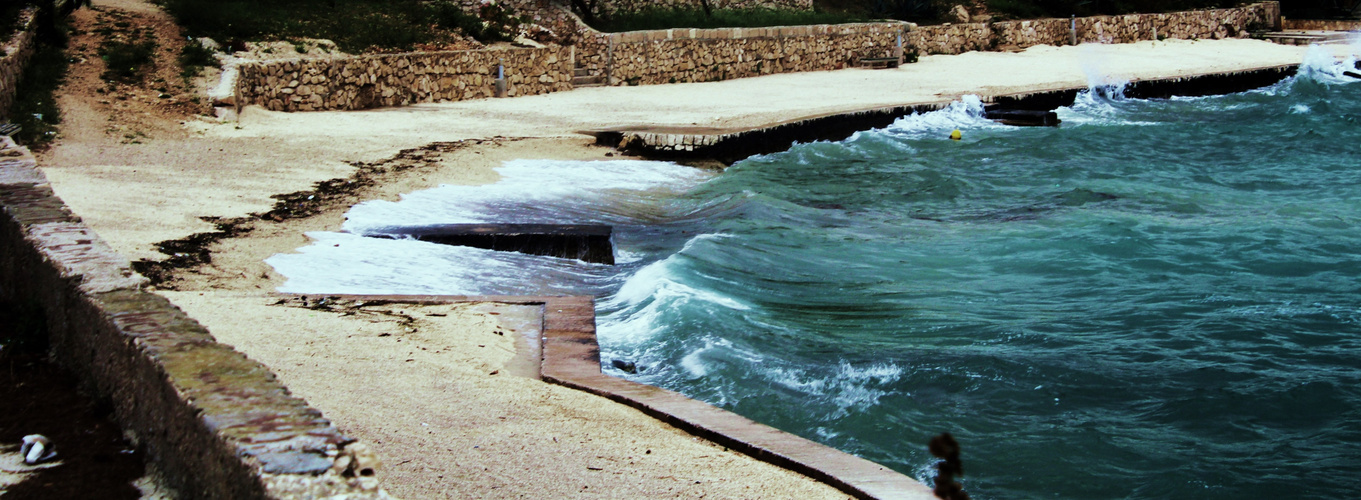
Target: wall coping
<point x="218" y="424"/>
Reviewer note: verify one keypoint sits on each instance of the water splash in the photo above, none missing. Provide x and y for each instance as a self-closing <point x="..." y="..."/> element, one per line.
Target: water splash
<point x="964" y="114"/>
<point x="1092" y="59"/>
<point x="1321" y="66"/>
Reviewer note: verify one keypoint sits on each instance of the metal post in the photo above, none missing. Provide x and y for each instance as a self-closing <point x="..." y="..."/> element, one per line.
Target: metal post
<point x="609" y="61"/>
<point x="898" y="51"/>
<point x="1072" y="30"/>
<point x="500" y="78"/>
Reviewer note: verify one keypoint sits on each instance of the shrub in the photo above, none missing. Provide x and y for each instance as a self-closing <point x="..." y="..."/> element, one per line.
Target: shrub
<point x="354" y="25"/>
<point x="123" y="61"/>
<point x="193" y="58"/>
<point x="35" y="107"/>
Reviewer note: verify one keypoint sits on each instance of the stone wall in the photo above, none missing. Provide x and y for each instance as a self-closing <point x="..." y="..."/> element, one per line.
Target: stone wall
<point x="609" y="6"/>
<point x="1197" y="24"/>
<point x="688" y="55"/>
<point x="17" y="51"/>
<point x="702" y="55"/>
<point x="1320" y="25"/>
<point x="398" y="79"/>
<point x="217" y="424"/>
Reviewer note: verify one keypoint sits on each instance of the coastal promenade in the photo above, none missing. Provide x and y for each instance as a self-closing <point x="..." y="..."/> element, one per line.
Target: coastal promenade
<point x="443" y="393"/>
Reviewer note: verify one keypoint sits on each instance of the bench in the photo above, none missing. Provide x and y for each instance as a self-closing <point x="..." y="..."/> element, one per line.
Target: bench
<point x="879" y="62"/>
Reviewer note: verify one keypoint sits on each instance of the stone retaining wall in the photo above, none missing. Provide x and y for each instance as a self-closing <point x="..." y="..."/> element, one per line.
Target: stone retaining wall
<point x="1197" y="24"/>
<point x="689" y="55"/>
<point x="398" y="79"/>
<point x="17" y="51"/>
<point x="703" y="55"/>
<point x="609" y="6"/>
<point x="217" y="424"/>
<point x="1320" y="25"/>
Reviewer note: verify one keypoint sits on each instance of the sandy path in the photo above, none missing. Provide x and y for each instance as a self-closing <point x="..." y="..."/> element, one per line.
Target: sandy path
<point x="422" y="390"/>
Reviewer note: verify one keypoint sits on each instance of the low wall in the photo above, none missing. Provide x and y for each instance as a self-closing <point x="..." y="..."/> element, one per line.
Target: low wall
<point x="398" y="79"/>
<point x="1320" y="25"/>
<point x="610" y="6"/>
<point x="217" y="424"/>
<point x="17" y="51"/>
<point x="1196" y="24"/>
<point x="703" y="55"/>
<point x="688" y="55"/>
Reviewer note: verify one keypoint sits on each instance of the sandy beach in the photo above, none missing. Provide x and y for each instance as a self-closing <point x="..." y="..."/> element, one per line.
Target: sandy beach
<point x="444" y="394"/>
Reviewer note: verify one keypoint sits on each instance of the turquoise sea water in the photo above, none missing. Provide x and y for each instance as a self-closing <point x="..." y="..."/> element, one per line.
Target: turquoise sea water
<point x="1157" y="299"/>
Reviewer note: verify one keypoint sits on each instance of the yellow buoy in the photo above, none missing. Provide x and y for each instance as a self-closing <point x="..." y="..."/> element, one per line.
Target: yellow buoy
<point x="955" y="136"/>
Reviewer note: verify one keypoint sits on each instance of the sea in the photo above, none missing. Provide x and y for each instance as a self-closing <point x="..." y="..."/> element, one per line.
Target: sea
<point x="1157" y="299"/>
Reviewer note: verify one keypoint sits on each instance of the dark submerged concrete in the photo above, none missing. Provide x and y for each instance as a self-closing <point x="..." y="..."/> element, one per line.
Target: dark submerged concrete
<point x="589" y="243"/>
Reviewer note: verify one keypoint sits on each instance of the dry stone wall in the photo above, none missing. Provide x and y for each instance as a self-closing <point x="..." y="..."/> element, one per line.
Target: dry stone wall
<point x="1321" y="25"/>
<point x="1208" y="24"/>
<point x="17" y="51"/>
<point x="608" y="6"/>
<point x="399" y="79"/>
<point x="702" y="55"/>
<point x="688" y="55"/>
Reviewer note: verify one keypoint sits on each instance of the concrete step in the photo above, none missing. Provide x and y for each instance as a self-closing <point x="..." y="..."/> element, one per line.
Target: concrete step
<point x="581" y="72"/>
<point x="588" y="81"/>
<point x="1310" y="37"/>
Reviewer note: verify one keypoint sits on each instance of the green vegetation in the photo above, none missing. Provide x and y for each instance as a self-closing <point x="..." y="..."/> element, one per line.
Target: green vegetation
<point x="354" y="25"/>
<point x="35" y="105"/>
<point x="653" y="19"/>
<point x="918" y="11"/>
<point x="193" y="58"/>
<point x="124" y="61"/>
<point x="1030" y="9"/>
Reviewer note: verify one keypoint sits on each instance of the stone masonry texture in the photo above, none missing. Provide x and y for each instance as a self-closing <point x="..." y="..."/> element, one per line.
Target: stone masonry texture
<point x="16" y="53"/>
<point x="690" y="55"/>
<point x="218" y="424"/>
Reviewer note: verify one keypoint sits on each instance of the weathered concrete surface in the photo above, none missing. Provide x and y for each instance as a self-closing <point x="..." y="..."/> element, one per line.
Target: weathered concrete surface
<point x="217" y="424"/>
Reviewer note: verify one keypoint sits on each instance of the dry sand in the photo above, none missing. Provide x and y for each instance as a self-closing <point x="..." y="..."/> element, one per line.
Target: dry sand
<point x="442" y="398"/>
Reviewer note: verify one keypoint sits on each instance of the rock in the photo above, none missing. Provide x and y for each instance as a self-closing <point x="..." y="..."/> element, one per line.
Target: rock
<point x="958" y="14"/>
<point x="625" y="366"/>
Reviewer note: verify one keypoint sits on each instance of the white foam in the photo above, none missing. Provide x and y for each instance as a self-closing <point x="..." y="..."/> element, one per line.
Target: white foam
<point x="966" y="113"/>
<point x="1320" y="65"/>
<point x="542" y="191"/>
<point x="651" y="292"/>
<point x="381" y="266"/>
<point x="530" y="191"/>
<point x="849" y="388"/>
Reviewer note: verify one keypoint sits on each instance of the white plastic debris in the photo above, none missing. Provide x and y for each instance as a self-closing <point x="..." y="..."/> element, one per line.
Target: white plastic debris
<point x="37" y="448"/>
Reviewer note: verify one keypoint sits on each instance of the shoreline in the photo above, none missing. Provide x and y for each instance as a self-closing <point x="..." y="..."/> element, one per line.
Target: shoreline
<point x="321" y="363"/>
